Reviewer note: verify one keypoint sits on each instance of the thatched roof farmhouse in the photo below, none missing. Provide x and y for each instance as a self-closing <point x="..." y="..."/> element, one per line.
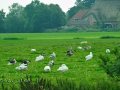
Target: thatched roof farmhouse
<point x="104" y="13"/>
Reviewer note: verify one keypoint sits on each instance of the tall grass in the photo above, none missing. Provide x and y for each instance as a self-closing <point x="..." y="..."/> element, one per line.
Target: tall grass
<point x="61" y="84"/>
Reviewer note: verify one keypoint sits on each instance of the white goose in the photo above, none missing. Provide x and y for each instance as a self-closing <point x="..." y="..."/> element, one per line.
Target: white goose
<point x="83" y="42"/>
<point x="47" y="68"/>
<point x="22" y="67"/>
<point x="39" y="58"/>
<point x="63" y="68"/>
<point x="107" y="50"/>
<point x="33" y="50"/>
<point x="90" y="56"/>
<point x="80" y="48"/>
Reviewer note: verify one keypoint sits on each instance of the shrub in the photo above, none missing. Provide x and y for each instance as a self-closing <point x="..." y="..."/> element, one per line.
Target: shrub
<point x="111" y="66"/>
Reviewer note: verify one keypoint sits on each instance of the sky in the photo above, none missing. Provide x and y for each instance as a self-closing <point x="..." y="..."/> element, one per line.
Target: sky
<point x="64" y="4"/>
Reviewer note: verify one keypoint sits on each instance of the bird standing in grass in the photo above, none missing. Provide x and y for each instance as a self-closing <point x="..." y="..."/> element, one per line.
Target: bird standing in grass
<point x="53" y="56"/>
<point x="107" y="50"/>
<point x="83" y="42"/>
<point x="51" y="63"/>
<point x="22" y="67"/>
<point x="25" y="61"/>
<point x="39" y="58"/>
<point x="63" y="68"/>
<point x="80" y="48"/>
<point x="47" y="68"/>
<point x="33" y="50"/>
<point x="12" y="61"/>
<point x="90" y="56"/>
<point x="69" y="52"/>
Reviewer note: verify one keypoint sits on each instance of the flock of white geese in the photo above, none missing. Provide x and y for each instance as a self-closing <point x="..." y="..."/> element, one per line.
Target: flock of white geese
<point x="47" y="68"/>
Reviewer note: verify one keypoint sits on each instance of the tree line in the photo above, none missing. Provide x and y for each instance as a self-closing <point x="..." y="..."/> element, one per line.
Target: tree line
<point x="34" y="17"/>
<point x="37" y="17"/>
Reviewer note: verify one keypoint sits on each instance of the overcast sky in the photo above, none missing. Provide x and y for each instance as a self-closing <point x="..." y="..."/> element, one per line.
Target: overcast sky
<point x="64" y="4"/>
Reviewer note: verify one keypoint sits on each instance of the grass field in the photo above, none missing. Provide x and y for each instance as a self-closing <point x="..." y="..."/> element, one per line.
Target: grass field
<point x="79" y="68"/>
<point x="36" y="36"/>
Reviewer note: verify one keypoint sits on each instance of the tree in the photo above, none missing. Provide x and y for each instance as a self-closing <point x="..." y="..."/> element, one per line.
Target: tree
<point x="85" y="3"/>
<point x="73" y="11"/>
<point x="2" y="21"/>
<point x="34" y="17"/>
<point x="41" y="17"/>
<point x="15" y="19"/>
<point x="57" y="16"/>
<point x="30" y="10"/>
<point x="36" y="14"/>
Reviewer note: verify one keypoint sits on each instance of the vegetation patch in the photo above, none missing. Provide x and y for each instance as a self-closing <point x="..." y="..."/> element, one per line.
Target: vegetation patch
<point x="109" y="37"/>
<point x="111" y="63"/>
<point x="61" y="84"/>
<point x="13" y="38"/>
<point x="77" y="38"/>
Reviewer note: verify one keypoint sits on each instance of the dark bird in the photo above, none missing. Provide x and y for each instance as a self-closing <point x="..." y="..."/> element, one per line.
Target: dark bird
<point x="53" y="56"/>
<point x="25" y="61"/>
<point x="70" y="52"/>
<point x="12" y="61"/>
<point x="51" y="63"/>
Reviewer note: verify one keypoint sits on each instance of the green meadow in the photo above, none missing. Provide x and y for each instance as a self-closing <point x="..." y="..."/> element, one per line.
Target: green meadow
<point x="36" y="36"/>
<point x="18" y="46"/>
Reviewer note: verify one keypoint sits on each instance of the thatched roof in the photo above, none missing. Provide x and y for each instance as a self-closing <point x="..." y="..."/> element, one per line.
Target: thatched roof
<point x="102" y="11"/>
<point x="107" y="9"/>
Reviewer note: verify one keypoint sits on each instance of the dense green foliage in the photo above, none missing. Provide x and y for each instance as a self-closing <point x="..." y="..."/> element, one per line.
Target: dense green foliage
<point x="15" y="20"/>
<point x="112" y="65"/>
<point x="2" y="21"/>
<point x="34" y="17"/>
